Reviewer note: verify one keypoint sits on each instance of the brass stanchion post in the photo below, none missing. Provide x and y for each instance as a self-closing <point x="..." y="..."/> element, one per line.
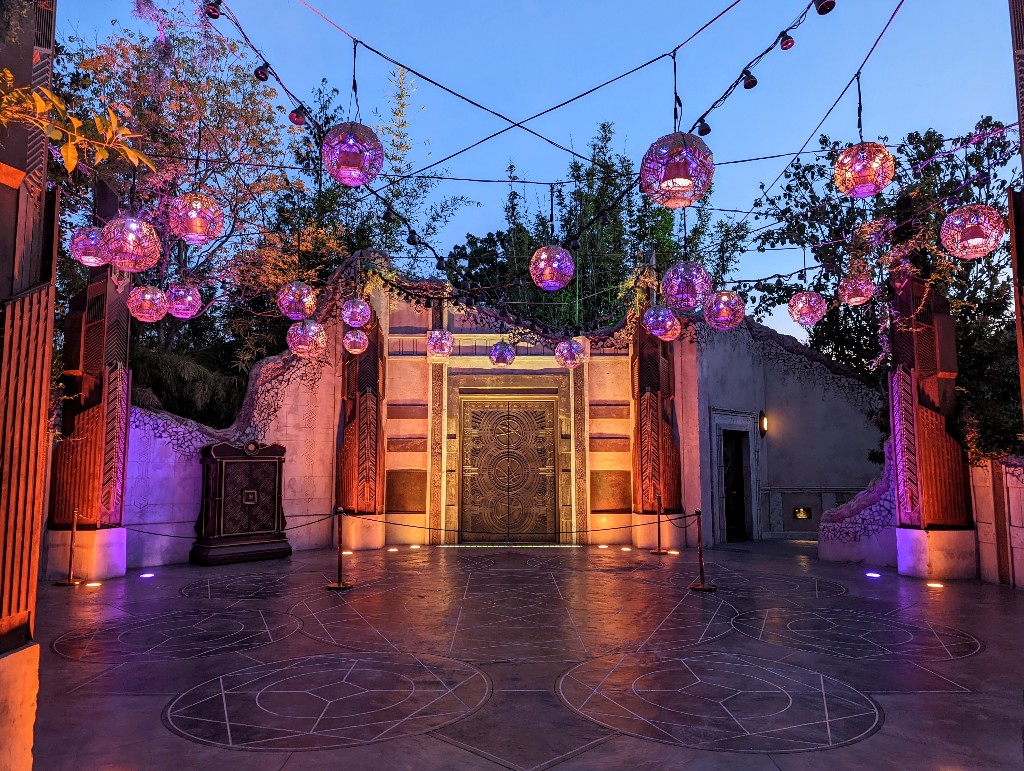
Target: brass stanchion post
<point x="701" y="585"/>
<point x="71" y="580"/>
<point x="659" y="550"/>
<point x="341" y="585"/>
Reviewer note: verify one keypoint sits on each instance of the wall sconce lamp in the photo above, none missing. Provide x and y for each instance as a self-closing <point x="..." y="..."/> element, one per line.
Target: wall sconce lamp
<point x="762" y="423"/>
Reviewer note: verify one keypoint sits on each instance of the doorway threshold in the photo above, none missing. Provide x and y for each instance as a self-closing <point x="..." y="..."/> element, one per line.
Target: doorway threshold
<point x="509" y="546"/>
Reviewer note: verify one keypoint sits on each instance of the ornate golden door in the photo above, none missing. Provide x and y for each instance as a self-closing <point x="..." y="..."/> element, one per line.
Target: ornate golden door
<point x="508" y="490"/>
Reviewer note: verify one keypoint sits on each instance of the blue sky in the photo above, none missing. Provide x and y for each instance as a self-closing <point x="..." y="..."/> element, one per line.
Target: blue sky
<point x="941" y="65"/>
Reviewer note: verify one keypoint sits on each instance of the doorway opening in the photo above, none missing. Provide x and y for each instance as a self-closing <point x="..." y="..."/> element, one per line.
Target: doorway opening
<point x="735" y="486"/>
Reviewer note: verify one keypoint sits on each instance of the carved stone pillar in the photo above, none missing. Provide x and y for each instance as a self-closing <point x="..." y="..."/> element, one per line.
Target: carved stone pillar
<point x="656" y="458"/>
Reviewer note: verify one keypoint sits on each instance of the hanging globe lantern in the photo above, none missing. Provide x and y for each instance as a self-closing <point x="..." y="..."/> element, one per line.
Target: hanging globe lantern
<point x="132" y="245"/>
<point x="184" y="301"/>
<point x="864" y="170"/>
<point x="502" y="354"/>
<point x="569" y="354"/>
<point x="971" y="232"/>
<point x="307" y="339"/>
<point x="807" y="308"/>
<point x="355" y="312"/>
<point x="296" y="300"/>
<point x="677" y="170"/>
<point x="685" y="286"/>
<point x="856" y="288"/>
<point x="724" y="310"/>
<point x="661" y="321"/>
<point x="355" y="341"/>
<point x="195" y="218"/>
<point x="352" y="154"/>
<point x="87" y="247"/>
<point x="440" y="343"/>
<point x="147" y="303"/>
<point x="551" y="268"/>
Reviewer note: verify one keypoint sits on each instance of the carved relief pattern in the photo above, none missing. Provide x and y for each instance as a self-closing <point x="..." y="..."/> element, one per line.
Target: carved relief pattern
<point x="650" y="450"/>
<point x="508" y="476"/>
<point x="580" y="446"/>
<point x="368" y="441"/>
<point x="437" y="470"/>
<point x="259" y="517"/>
<point x="903" y="393"/>
<point x="115" y="441"/>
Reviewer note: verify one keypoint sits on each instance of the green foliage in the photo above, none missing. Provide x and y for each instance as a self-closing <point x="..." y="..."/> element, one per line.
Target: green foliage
<point x="183" y="385"/>
<point x="929" y="183"/>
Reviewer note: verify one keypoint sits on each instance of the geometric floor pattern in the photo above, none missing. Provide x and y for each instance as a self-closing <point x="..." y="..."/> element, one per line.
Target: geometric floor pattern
<point x="720" y="701"/>
<point x="186" y="634"/>
<point x="335" y="700"/>
<point x="517" y="658"/>
<point x="856" y="635"/>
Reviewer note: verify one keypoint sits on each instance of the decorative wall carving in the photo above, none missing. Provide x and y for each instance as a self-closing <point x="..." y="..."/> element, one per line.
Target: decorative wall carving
<point x="657" y="457"/>
<point x="579" y="422"/>
<point x="436" y="460"/>
<point x="360" y="481"/>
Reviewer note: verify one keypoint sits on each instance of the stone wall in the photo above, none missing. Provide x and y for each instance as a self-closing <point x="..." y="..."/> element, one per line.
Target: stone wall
<point x="997" y="493"/>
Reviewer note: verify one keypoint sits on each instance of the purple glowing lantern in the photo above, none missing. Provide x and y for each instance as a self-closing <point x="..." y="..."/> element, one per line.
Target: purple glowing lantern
<point x="569" y="354"/>
<point x="661" y="321"/>
<point x="724" y="310"/>
<point x="307" y="339"/>
<point x="551" y="268"/>
<point x="355" y="312"/>
<point x="296" y="300"/>
<point x="352" y="154"/>
<point x="440" y="343"/>
<point x="685" y="286"/>
<point x="971" y="232"/>
<point x="864" y="170"/>
<point x="87" y="247"/>
<point x="132" y="245"/>
<point x="355" y="341"/>
<point x="184" y="301"/>
<point x="502" y="354"/>
<point x="856" y="288"/>
<point x="677" y="170"/>
<point x="195" y="218"/>
<point x="807" y="308"/>
<point x="147" y="303"/>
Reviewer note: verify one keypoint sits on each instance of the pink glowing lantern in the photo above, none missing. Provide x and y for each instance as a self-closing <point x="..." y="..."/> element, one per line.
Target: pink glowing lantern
<point x="440" y="343"/>
<point x="569" y="354"/>
<point x="856" y="288"/>
<point x="307" y="339"/>
<point x="677" y="170"/>
<point x="132" y="245"/>
<point x="184" y="301"/>
<point x="661" y="321"/>
<point x="685" y="286"/>
<point x="864" y="170"/>
<point x="147" y="303"/>
<point x="807" y="308"/>
<point x="971" y="232"/>
<point x="724" y="310"/>
<point x="87" y="247"/>
<point x="551" y="268"/>
<point x="352" y="154"/>
<point x="502" y="354"/>
<point x="355" y="341"/>
<point x="355" y="312"/>
<point x="195" y="218"/>
<point x="296" y="300"/>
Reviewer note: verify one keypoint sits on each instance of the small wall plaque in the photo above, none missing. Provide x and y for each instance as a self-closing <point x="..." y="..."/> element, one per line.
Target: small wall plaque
<point x="802" y="512"/>
<point x="251" y="497"/>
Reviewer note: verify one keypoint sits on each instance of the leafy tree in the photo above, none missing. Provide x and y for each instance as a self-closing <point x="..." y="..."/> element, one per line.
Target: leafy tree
<point x="933" y="176"/>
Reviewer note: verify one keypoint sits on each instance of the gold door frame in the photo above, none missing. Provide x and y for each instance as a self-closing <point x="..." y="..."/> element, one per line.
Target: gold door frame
<point x="511" y="398"/>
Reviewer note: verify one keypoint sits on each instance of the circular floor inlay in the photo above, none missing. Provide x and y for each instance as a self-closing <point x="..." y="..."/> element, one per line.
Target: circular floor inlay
<point x="748" y="584"/>
<point x="858" y="635"/>
<point x="335" y="700"/>
<point x="185" y="634"/>
<point x="257" y="586"/>
<point x="719" y="701"/>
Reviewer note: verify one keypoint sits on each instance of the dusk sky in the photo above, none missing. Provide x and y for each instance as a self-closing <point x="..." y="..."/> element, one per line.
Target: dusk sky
<point x="942" y="64"/>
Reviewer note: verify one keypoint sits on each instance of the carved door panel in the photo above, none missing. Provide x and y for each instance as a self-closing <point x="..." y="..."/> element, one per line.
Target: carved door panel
<point x="508" y="490"/>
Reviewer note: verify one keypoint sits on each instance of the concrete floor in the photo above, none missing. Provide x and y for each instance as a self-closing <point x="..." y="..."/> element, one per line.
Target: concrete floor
<point x="528" y="658"/>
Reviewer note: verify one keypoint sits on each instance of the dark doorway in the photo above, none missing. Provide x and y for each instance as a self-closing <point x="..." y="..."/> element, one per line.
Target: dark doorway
<point x="735" y="484"/>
